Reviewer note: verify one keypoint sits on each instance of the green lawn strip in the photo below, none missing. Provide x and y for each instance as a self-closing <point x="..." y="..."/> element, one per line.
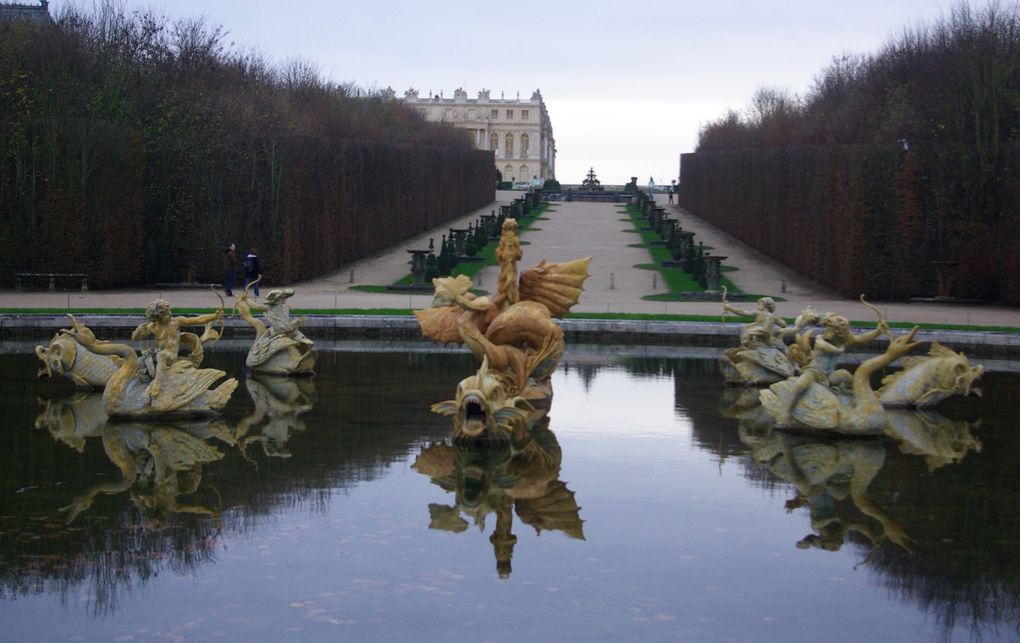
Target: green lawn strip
<point x="675" y="278"/>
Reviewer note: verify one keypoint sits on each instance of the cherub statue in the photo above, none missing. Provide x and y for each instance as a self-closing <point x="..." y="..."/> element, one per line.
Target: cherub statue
<point x="762" y="357"/>
<point x="279" y="348"/>
<point x="166" y="330"/>
<point x="161" y="384"/>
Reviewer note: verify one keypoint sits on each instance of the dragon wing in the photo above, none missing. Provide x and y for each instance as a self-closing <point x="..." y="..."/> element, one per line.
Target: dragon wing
<point x="557" y="286"/>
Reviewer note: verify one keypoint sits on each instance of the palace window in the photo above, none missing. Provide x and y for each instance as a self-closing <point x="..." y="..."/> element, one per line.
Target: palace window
<point x="524" y="144"/>
<point x="494" y="113"/>
<point x="509" y="145"/>
<point x="494" y="142"/>
<point x="510" y="114"/>
<point x="524" y="114"/>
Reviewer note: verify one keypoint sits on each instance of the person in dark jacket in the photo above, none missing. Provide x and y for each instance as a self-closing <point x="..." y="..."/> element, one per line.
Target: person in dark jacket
<point x="230" y="264"/>
<point x="252" y="270"/>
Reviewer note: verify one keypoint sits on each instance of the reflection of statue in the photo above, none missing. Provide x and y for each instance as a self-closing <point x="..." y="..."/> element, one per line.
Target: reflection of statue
<point x="66" y="357"/>
<point x="512" y="332"/>
<point x="170" y="387"/>
<point x="158" y="465"/>
<point x="762" y="355"/>
<point x="825" y="475"/>
<point x="494" y="477"/>
<point x="926" y="381"/>
<point x="939" y="439"/>
<point x="280" y="348"/>
<point x="279" y="403"/>
<point x="73" y="420"/>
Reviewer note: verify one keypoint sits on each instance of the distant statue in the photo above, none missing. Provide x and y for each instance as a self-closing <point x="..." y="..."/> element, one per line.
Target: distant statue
<point x="591" y="183"/>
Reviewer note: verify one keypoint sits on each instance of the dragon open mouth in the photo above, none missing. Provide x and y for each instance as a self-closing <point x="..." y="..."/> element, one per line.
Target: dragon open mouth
<point x="474" y="416"/>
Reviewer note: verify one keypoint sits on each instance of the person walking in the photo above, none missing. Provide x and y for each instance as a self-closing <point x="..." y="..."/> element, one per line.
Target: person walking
<point x="230" y="264"/>
<point x="252" y="270"/>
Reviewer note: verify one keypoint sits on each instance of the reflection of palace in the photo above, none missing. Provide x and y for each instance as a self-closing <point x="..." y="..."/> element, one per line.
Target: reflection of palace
<point x="491" y="476"/>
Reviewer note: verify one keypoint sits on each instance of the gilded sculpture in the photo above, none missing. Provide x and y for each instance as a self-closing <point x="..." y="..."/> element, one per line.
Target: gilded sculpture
<point x="160" y="383"/>
<point x="926" y="381"/>
<point x="280" y="348"/>
<point x="512" y="334"/>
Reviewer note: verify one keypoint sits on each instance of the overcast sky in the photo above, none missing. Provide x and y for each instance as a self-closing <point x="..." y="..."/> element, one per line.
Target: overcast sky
<point x="627" y="85"/>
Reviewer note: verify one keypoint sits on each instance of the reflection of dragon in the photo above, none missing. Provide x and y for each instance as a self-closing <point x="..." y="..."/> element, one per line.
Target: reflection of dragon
<point x="825" y="475"/>
<point x="512" y="333"/>
<point x="501" y="478"/>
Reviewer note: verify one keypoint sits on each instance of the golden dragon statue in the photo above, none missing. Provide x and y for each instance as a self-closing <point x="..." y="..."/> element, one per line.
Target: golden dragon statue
<point x="512" y="334"/>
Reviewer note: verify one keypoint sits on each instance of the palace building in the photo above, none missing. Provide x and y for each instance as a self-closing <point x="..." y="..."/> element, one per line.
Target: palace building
<point x="517" y="130"/>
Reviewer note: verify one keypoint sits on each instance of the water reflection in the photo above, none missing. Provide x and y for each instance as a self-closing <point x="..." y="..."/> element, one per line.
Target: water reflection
<point x="279" y="403"/>
<point x="831" y="479"/>
<point x="497" y="477"/>
<point x="196" y="501"/>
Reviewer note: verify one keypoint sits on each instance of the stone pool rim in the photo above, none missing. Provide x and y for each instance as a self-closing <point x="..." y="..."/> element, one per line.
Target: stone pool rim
<point x="978" y="344"/>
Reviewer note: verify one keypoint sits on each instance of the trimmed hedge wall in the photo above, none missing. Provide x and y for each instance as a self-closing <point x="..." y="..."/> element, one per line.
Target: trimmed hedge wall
<point x="855" y="218"/>
<point x="87" y="196"/>
<point x="71" y="200"/>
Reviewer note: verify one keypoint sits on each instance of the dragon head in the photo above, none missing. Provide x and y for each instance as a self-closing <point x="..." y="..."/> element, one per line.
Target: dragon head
<point x="483" y="407"/>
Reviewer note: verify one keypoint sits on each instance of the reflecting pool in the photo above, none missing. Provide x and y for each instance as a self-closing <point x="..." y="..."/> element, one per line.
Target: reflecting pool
<point x="653" y="505"/>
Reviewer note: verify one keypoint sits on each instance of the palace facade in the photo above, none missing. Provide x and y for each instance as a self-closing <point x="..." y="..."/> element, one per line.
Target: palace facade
<point x="517" y="130"/>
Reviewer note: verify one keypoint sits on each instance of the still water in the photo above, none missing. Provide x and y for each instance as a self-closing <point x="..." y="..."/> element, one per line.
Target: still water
<point x="656" y="509"/>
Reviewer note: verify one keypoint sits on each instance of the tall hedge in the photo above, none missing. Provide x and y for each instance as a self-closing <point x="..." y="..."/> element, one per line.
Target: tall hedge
<point x="71" y="200"/>
<point x="947" y="90"/>
<point x="75" y="197"/>
<point x="134" y="149"/>
<point x="833" y="214"/>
